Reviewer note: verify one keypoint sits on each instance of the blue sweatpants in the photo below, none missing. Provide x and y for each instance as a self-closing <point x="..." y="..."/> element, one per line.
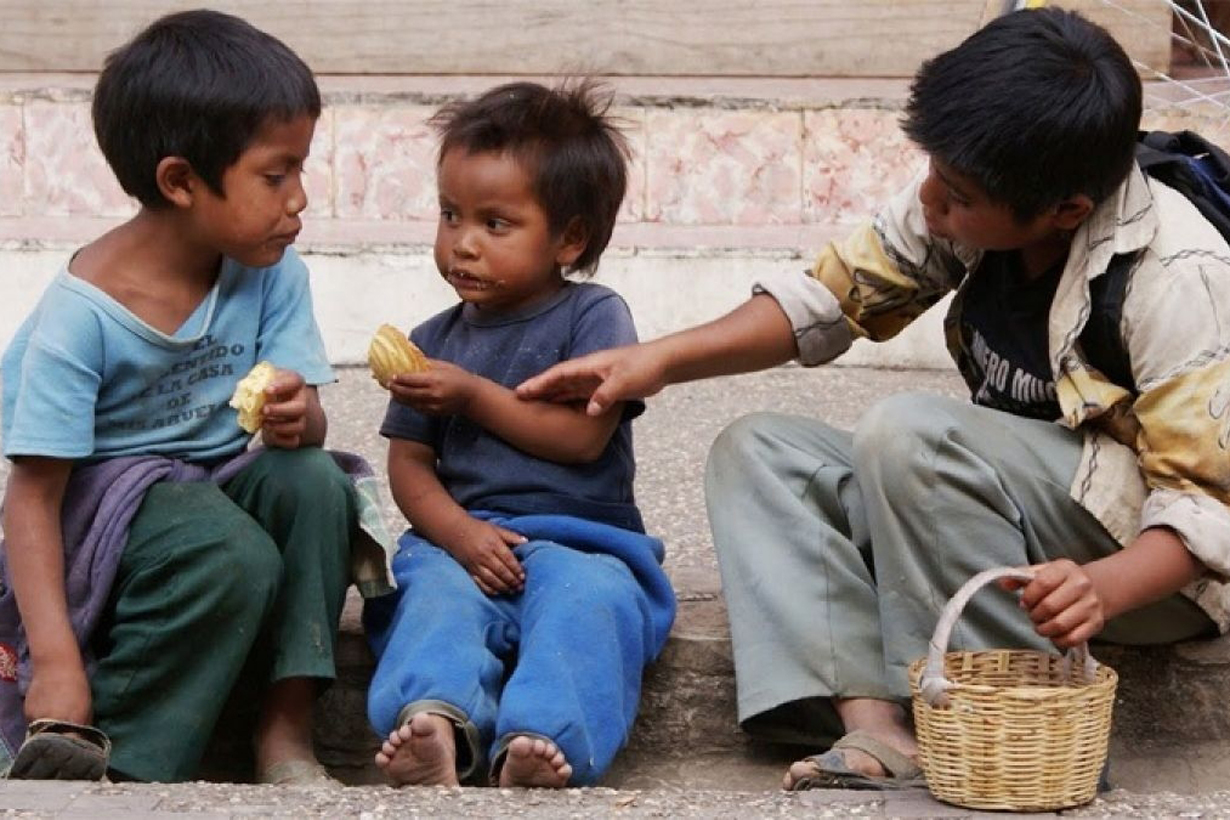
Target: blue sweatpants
<point x="562" y="659"/>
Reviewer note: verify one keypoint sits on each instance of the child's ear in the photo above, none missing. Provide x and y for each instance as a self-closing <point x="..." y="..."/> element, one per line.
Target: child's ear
<point x="572" y="243"/>
<point x="1072" y="212"/>
<point x="177" y="181"/>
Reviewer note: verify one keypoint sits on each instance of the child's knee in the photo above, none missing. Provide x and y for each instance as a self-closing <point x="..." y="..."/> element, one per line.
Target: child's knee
<point x="741" y="441"/>
<point x="310" y="475"/>
<point x="898" y="426"/>
<point x="252" y="560"/>
<point x="895" y="440"/>
<point x="238" y="568"/>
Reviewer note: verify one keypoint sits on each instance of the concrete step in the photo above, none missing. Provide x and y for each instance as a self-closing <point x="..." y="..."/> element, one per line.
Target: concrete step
<point x="684" y="736"/>
<point x="1171" y="728"/>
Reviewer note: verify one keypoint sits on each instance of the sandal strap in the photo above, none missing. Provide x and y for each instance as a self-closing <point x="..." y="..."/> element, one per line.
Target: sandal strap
<point x="894" y="762"/>
<point x="90" y="734"/>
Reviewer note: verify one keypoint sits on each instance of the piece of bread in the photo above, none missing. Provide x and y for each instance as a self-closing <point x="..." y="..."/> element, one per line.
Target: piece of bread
<point x="249" y="396"/>
<point x="390" y="354"/>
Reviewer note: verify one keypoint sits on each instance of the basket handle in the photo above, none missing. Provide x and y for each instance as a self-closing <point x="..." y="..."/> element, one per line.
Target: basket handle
<point x="933" y="686"/>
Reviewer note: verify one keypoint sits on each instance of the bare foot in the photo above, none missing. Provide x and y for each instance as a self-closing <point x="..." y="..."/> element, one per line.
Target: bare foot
<point x="284" y="731"/>
<point x="534" y="762"/>
<point x="421" y="752"/>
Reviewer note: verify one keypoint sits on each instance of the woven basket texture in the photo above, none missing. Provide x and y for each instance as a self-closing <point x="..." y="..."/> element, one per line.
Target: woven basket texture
<point x="1016" y="736"/>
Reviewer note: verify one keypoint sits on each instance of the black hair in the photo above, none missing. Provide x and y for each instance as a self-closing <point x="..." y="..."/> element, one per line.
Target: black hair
<point x="1037" y="106"/>
<point x="571" y="149"/>
<point x="198" y="85"/>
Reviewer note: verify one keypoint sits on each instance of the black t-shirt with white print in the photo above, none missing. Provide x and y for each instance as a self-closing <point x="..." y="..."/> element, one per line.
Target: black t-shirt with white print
<point x="1004" y="325"/>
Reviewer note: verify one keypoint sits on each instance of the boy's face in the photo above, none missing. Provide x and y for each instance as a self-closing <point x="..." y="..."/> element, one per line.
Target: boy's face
<point x="956" y="208"/>
<point x="493" y="241"/>
<point x="258" y="216"/>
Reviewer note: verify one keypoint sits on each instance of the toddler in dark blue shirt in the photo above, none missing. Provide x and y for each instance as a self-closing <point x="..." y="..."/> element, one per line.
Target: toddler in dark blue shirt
<point x="530" y="598"/>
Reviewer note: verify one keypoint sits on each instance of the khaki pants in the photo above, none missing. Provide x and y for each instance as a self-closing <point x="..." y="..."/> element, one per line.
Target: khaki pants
<point x="839" y="550"/>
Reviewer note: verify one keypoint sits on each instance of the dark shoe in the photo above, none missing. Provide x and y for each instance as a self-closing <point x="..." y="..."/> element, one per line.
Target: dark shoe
<point x="57" y="750"/>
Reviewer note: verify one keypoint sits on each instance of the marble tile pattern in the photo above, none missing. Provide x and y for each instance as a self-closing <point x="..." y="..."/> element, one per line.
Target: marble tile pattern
<point x="12" y="160"/>
<point x="384" y="162"/>
<point x="852" y="160"/>
<point x="719" y="167"/>
<point x="64" y="172"/>
<point x="631" y="122"/>
<point x="318" y="178"/>
<point x="374" y="162"/>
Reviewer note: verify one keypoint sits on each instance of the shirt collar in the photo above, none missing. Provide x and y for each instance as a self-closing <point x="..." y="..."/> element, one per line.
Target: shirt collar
<point x="1124" y="223"/>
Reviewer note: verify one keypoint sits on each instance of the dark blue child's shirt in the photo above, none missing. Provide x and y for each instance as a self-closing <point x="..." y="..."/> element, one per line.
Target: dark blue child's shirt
<point x="483" y="472"/>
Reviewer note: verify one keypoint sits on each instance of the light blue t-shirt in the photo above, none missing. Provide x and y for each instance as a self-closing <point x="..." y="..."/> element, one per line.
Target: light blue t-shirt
<point x="85" y="379"/>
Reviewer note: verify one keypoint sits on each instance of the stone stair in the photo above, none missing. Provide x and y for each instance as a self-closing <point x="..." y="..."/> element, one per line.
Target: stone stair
<point x="1171" y="725"/>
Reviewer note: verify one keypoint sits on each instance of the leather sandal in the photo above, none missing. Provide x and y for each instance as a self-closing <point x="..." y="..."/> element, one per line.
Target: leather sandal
<point x="829" y="769"/>
<point x="60" y="750"/>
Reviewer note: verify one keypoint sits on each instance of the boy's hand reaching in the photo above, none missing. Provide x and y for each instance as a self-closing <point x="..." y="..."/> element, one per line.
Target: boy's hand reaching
<point x="285" y="415"/>
<point x="1062" y="602"/>
<point x="442" y="389"/>
<point x="604" y="378"/>
<point x="485" y="550"/>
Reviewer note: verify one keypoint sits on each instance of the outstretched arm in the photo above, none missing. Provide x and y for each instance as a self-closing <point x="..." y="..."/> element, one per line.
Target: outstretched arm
<point x="754" y="336"/>
<point x="35" y="550"/>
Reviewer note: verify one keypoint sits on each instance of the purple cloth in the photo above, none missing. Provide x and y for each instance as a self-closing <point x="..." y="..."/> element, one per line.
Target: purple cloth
<point x="99" y="504"/>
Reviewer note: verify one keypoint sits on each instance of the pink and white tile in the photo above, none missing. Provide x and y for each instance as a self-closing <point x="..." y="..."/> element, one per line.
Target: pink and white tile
<point x="384" y="163"/>
<point x="318" y="172"/>
<point x="631" y="121"/>
<point x="854" y="160"/>
<point x="12" y="160"/>
<point x="708" y="166"/>
<point x="66" y="174"/>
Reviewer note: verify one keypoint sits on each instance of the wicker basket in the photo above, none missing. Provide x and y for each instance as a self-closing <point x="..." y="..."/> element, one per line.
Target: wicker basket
<point x="1010" y="729"/>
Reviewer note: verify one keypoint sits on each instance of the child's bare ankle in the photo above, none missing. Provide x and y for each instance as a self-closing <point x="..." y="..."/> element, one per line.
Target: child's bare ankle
<point x="284" y="730"/>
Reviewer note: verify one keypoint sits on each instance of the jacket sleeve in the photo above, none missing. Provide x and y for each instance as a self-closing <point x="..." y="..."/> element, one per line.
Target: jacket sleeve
<point x="1177" y="328"/>
<point x="870" y="284"/>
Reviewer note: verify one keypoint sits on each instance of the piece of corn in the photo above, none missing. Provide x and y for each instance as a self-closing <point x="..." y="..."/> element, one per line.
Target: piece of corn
<point x="249" y="396"/>
<point x="390" y="354"/>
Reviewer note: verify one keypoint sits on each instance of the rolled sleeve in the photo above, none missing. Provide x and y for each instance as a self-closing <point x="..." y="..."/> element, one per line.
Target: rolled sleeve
<point x="1202" y="522"/>
<point x="820" y="328"/>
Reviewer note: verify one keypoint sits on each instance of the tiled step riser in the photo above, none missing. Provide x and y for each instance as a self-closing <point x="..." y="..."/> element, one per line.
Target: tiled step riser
<point x="730" y="179"/>
<point x="762" y="154"/>
<point x="712" y="159"/>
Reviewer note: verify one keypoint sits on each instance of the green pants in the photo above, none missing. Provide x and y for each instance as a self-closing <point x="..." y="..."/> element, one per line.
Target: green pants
<point x="216" y="584"/>
<point x="838" y="550"/>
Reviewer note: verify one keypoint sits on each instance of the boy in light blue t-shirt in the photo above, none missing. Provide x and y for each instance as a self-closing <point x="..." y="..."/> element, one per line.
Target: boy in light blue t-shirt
<point x="153" y="562"/>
